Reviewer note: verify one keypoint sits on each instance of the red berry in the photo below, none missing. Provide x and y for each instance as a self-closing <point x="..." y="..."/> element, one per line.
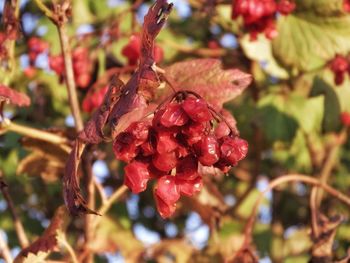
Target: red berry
<point x="30" y="72"/>
<point x="173" y="115"/>
<point x="124" y="147"/>
<point x="345" y="119"/>
<point x="167" y="190"/>
<point x="285" y="7"/>
<point x="163" y="208"/>
<point x="140" y="131"/>
<point x="187" y="168"/>
<point x="197" y="109"/>
<point x="339" y="64"/>
<point x="36" y="45"/>
<point x="93" y="100"/>
<point x="136" y="176"/>
<point x="222" y="130"/>
<point x="208" y="150"/>
<point x="194" y="132"/>
<point x="190" y="187"/>
<point x="233" y="149"/>
<point x="346" y="5"/>
<point x="57" y="64"/>
<point x="166" y="142"/>
<point x="164" y="162"/>
<point x="133" y="49"/>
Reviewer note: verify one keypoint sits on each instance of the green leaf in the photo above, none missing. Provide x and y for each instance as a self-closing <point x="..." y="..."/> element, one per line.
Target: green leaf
<point x="331" y="121"/>
<point x="275" y="119"/>
<point x="307" y="41"/>
<point x="324" y="7"/>
<point x="261" y="51"/>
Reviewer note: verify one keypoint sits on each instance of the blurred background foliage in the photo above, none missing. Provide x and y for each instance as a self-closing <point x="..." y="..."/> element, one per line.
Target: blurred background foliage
<point x="290" y="116"/>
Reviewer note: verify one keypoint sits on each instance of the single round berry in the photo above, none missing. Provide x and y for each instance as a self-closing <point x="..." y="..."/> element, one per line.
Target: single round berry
<point x="136" y="176"/>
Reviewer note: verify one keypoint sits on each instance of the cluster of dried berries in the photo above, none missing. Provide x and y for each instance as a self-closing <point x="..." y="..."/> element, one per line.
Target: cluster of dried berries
<point x="132" y="50"/>
<point x="36" y="46"/>
<point x="94" y="99"/>
<point x="259" y="16"/>
<point x="183" y="134"/>
<point x="81" y="66"/>
<point x="340" y="66"/>
<point x="345" y="118"/>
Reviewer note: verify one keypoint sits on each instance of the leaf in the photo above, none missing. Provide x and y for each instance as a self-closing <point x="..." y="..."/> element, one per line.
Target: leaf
<point x="47" y="243"/>
<point x="111" y="237"/>
<point x="14" y="97"/>
<point x="322" y="7"/>
<point x="261" y="51"/>
<point x="322" y="249"/>
<point x="331" y="120"/>
<point x="207" y="78"/>
<point x="307" y="41"/>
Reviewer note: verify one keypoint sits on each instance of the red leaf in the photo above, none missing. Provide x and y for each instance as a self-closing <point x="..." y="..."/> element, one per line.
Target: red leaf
<point x="13" y="97"/>
<point x="208" y="79"/>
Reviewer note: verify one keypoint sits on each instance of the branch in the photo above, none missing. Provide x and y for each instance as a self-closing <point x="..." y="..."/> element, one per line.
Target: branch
<point x="36" y="134"/>
<point x="21" y="235"/>
<point x="5" y="250"/>
<point x="285" y="179"/>
<point x="62" y="240"/>
<point x="61" y="11"/>
<point x="45" y="10"/>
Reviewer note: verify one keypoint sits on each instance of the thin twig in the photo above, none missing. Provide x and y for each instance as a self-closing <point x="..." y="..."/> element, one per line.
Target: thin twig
<point x="114" y="197"/>
<point x="45" y="10"/>
<point x="21" y="235"/>
<point x="284" y="179"/>
<point x="68" y="65"/>
<point x="100" y="190"/>
<point x="5" y="251"/>
<point x="36" y="134"/>
<point x="61" y="237"/>
<point x="89" y="228"/>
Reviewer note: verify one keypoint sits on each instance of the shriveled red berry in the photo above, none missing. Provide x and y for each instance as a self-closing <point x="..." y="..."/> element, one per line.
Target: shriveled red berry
<point x="233" y="149"/>
<point x="208" y="150"/>
<point x="136" y="176"/>
<point x="37" y="45"/>
<point x="222" y="130"/>
<point x="345" y="119"/>
<point x="339" y="64"/>
<point x="124" y="148"/>
<point x="167" y="190"/>
<point x="166" y="142"/>
<point x="187" y="168"/>
<point x="190" y="187"/>
<point x="154" y="172"/>
<point x="163" y="208"/>
<point x="194" y="132"/>
<point x="174" y="115"/>
<point x="346" y="5"/>
<point x="197" y="109"/>
<point x="140" y="131"/>
<point x="165" y="162"/>
<point x="93" y="100"/>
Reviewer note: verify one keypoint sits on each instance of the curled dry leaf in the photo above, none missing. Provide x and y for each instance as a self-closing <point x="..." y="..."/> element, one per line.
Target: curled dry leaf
<point x="207" y="78"/>
<point x="13" y="97"/>
<point x="322" y="248"/>
<point x="47" y="242"/>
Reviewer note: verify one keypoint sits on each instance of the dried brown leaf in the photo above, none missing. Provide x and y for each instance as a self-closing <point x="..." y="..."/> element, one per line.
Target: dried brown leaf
<point x="207" y="78"/>
<point x="47" y="242"/>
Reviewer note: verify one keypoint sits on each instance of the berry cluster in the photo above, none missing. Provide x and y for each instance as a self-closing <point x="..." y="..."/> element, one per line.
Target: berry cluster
<point x="94" y="99"/>
<point x="340" y="66"/>
<point x="36" y="46"/>
<point x="132" y="50"/>
<point x="81" y="66"/>
<point x="259" y="15"/>
<point x="183" y="134"/>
